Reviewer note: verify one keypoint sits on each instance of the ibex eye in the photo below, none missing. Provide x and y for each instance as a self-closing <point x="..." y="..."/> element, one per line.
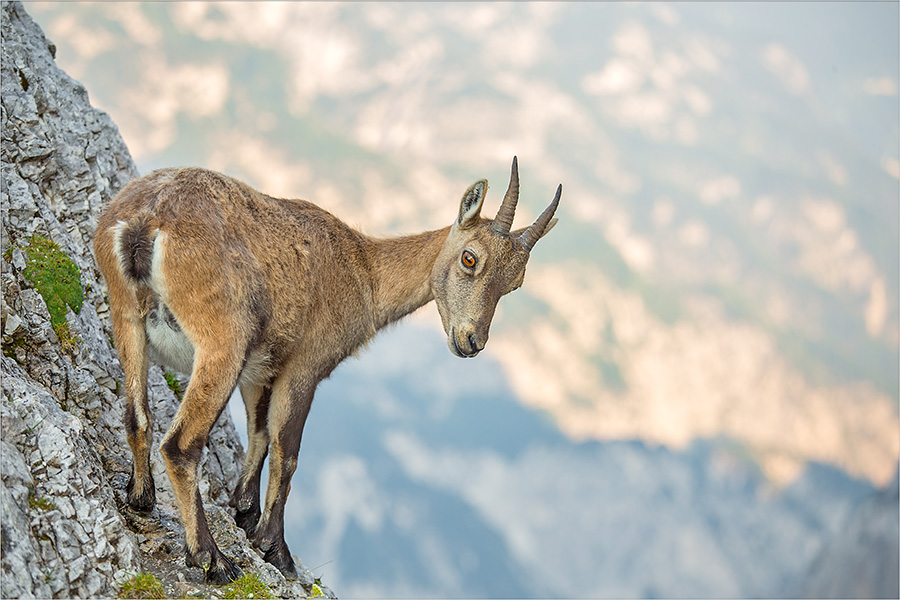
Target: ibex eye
<point x="468" y="259"/>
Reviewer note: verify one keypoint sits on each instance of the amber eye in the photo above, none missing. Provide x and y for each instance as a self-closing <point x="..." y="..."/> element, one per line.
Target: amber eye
<point x="468" y="259"/>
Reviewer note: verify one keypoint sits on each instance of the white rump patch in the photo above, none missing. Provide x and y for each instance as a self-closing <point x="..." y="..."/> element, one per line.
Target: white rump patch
<point x="117" y="244"/>
<point x="157" y="282"/>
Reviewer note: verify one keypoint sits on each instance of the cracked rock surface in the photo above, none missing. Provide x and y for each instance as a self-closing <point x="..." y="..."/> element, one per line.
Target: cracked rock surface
<point x="64" y="461"/>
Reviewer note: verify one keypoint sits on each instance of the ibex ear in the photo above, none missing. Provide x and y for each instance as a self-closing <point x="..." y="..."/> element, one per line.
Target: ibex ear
<point x="550" y="225"/>
<point x="470" y="205"/>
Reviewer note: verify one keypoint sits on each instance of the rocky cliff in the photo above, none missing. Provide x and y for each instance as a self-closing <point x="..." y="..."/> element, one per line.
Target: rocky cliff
<point x="65" y="529"/>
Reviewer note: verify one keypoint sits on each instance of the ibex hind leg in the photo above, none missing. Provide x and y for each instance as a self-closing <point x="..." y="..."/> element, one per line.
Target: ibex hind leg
<point x="122" y="252"/>
<point x="289" y="408"/>
<point x="131" y="343"/>
<point x="214" y="377"/>
<point x="245" y="498"/>
<point x="140" y="493"/>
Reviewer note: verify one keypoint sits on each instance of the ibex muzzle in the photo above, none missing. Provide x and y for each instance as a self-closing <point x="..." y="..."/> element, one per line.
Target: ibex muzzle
<point x="240" y="288"/>
<point x="482" y="260"/>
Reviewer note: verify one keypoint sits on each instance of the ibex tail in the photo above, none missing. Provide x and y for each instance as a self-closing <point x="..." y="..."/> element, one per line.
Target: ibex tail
<point x="134" y="247"/>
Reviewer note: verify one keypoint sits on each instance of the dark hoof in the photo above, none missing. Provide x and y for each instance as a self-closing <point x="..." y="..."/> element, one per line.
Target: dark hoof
<point x="199" y="559"/>
<point x="246" y="508"/>
<point x="280" y="557"/>
<point x="275" y="552"/>
<point x="218" y="569"/>
<point x="222" y="571"/>
<point x="141" y="500"/>
<point x="247" y="520"/>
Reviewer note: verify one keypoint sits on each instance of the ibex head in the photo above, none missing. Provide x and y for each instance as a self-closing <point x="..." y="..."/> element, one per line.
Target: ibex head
<point x="482" y="260"/>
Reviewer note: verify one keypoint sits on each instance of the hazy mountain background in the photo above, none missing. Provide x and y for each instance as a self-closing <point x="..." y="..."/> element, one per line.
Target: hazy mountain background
<point x="698" y="381"/>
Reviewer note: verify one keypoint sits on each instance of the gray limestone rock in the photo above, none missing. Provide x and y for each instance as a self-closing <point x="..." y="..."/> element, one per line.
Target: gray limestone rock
<point x="53" y="483"/>
<point x="66" y="531"/>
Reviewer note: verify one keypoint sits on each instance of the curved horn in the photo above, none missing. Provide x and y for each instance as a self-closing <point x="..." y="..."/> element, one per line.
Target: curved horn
<point x="531" y="235"/>
<point x="504" y="219"/>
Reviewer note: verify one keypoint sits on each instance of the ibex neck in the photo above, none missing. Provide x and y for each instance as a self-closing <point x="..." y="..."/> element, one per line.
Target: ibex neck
<point x="401" y="271"/>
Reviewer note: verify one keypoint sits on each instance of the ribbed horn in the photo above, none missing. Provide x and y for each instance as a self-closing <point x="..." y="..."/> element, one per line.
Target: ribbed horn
<point x="531" y="235"/>
<point x="504" y="219"/>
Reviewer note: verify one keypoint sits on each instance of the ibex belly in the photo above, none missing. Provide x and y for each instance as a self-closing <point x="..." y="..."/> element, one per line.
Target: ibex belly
<point x="173" y="348"/>
<point x="167" y="340"/>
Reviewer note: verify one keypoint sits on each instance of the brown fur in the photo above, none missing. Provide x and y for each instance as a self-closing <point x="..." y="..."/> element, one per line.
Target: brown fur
<point x="271" y="294"/>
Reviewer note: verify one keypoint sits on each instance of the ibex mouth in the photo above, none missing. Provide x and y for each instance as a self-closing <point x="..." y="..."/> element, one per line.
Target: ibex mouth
<point x="459" y="351"/>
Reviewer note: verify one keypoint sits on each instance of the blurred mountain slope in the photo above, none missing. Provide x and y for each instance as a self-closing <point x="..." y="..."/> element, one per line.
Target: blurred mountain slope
<point x="860" y="561"/>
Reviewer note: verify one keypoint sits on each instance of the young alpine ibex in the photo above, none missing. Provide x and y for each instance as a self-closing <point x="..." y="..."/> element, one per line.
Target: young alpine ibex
<point x="238" y="288"/>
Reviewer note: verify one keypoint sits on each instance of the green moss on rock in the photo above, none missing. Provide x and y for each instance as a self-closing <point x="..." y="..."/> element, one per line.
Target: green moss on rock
<point x="58" y="280"/>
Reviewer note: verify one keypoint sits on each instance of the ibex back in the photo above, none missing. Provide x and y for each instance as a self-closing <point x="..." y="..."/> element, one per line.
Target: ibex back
<point x="238" y="288"/>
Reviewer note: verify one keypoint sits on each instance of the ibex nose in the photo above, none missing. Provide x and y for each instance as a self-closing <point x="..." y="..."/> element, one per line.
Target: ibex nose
<point x="466" y="344"/>
<point x="473" y="344"/>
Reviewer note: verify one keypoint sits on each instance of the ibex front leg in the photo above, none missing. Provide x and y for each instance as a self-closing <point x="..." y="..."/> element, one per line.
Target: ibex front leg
<point x="290" y="404"/>
<point x="214" y="377"/>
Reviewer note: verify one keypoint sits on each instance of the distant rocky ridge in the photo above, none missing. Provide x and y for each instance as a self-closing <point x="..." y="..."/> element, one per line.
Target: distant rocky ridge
<point x="65" y="462"/>
<point x="861" y="561"/>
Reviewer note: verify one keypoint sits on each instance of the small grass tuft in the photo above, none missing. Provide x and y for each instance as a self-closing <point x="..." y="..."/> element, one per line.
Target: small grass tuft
<point x="68" y="341"/>
<point x="38" y="503"/>
<point x="248" y="586"/>
<point x="142" y="585"/>
<point x="174" y="384"/>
